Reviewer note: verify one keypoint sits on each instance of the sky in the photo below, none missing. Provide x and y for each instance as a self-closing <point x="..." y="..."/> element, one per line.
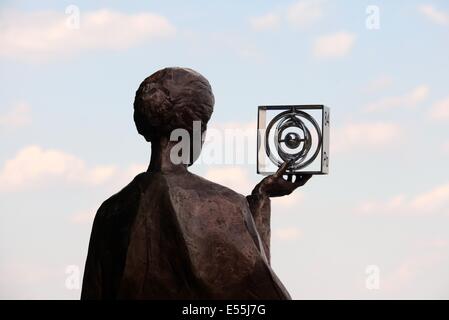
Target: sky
<point x="376" y="227"/>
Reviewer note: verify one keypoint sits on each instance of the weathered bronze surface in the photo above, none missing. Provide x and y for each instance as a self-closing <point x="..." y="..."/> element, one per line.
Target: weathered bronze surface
<point x="171" y="234"/>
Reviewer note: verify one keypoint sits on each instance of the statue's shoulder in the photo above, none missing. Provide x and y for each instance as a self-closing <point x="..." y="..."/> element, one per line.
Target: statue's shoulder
<point x="124" y="200"/>
<point x="194" y="186"/>
<point x="178" y="187"/>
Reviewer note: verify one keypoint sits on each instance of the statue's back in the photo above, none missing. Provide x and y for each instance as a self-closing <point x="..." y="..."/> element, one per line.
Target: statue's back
<point x="177" y="236"/>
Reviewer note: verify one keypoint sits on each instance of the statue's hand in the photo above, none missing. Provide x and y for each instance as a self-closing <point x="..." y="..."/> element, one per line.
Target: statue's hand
<point x="276" y="186"/>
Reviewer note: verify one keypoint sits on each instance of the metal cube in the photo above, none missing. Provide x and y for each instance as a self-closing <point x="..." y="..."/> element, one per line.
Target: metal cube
<point x="298" y="134"/>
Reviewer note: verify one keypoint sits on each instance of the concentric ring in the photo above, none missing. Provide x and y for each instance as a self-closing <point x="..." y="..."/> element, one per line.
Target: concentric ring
<point x="287" y="120"/>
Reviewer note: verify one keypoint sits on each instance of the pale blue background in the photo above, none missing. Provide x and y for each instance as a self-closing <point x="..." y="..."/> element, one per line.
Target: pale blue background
<point x="80" y="104"/>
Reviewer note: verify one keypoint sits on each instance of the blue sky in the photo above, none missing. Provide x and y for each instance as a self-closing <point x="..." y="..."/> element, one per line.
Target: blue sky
<point x="68" y="140"/>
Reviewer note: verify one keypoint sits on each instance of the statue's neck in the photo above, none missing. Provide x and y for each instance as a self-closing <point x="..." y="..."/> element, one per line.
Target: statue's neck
<point x="160" y="157"/>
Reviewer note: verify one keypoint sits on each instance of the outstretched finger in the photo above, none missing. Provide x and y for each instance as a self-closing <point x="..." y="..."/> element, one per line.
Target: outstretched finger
<point x="282" y="169"/>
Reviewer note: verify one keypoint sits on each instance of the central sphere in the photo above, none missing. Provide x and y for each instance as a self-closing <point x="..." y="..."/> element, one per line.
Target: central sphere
<point x="292" y="140"/>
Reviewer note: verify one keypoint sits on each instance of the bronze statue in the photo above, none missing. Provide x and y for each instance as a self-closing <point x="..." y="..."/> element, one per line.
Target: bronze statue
<point x="171" y="234"/>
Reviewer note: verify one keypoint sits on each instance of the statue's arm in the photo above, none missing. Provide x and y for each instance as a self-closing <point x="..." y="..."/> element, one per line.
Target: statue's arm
<point x="260" y="207"/>
<point x="92" y="281"/>
<point x="259" y="200"/>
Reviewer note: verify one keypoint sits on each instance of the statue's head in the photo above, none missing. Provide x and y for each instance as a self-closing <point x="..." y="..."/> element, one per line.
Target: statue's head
<point x="172" y="98"/>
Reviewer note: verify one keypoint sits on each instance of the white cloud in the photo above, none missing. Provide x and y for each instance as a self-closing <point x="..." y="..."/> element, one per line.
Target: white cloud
<point x="380" y="83"/>
<point x="268" y="21"/>
<point x="405" y="275"/>
<point x="83" y="216"/>
<point x="43" y="35"/>
<point x="433" y="201"/>
<point x="365" y="135"/>
<point x="300" y="15"/>
<point x="250" y="52"/>
<point x="393" y="205"/>
<point x="440" y="110"/>
<point x="132" y="170"/>
<point x="287" y="234"/>
<point x="334" y="45"/>
<point x="18" y="116"/>
<point x="292" y="200"/>
<point x="33" y="166"/>
<point x="304" y="13"/>
<point x="409" y="99"/>
<point x="435" y="243"/>
<point x="18" y="277"/>
<point x="445" y="148"/>
<point x="434" y="15"/>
